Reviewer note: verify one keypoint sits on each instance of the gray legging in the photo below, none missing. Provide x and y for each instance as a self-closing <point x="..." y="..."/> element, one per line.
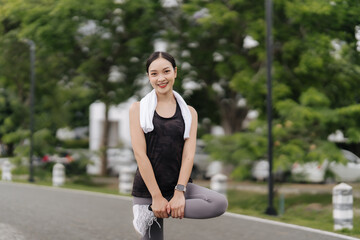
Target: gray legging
<point x="200" y="203"/>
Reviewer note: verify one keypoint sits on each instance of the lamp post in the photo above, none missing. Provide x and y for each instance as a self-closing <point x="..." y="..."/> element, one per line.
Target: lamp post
<point x="269" y="51"/>
<point x="32" y="102"/>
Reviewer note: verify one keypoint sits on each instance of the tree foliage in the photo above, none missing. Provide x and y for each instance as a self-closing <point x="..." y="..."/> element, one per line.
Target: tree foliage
<point x="210" y="39"/>
<point x="315" y="74"/>
<point x="86" y="51"/>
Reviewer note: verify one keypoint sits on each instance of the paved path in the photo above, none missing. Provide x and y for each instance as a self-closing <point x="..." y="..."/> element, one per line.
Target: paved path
<point x="29" y="212"/>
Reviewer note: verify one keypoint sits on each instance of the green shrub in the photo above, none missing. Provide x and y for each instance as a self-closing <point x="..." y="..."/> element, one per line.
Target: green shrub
<point x="76" y="167"/>
<point x="20" y="170"/>
<point x="75" y="143"/>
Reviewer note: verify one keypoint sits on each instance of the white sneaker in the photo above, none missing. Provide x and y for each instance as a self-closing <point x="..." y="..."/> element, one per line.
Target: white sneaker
<point x="143" y="219"/>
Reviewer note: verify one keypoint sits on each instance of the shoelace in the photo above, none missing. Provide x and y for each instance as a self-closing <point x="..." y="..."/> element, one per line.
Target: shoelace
<point x="151" y="222"/>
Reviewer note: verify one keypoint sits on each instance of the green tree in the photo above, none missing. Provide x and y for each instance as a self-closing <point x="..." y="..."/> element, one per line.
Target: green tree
<point x="316" y="78"/>
<point x="15" y="82"/>
<point x="14" y="88"/>
<point x="91" y="50"/>
<point x="211" y="44"/>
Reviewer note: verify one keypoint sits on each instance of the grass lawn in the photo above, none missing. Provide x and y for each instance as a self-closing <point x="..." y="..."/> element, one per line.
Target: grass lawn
<point x="309" y="210"/>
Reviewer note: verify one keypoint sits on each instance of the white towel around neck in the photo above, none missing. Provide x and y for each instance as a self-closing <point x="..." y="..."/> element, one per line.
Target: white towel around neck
<point x="147" y="110"/>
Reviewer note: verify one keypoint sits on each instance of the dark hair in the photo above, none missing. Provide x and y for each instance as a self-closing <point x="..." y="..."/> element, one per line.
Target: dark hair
<point x="157" y="55"/>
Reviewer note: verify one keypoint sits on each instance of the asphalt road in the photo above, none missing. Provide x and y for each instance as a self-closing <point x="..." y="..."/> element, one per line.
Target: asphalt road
<point x="29" y="212"/>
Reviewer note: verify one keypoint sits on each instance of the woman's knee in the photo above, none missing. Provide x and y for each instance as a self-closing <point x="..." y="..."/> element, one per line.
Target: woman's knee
<point x="221" y="204"/>
<point x="218" y="204"/>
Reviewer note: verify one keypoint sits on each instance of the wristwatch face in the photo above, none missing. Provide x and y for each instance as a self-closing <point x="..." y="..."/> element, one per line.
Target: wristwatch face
<point x="180" y="187"/>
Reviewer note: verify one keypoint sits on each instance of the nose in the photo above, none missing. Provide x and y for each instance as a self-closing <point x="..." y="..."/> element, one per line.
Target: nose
<point x="161" y="77"/>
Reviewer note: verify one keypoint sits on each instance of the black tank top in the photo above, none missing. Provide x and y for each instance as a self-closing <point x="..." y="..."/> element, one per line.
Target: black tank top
<point x="164" y="147"/>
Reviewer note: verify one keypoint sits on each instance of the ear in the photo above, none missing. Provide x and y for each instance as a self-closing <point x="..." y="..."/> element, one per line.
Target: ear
<point x="175" y="71"/>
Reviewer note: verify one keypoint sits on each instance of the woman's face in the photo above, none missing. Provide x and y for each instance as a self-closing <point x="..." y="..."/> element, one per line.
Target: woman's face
<point x="162" y="75"/>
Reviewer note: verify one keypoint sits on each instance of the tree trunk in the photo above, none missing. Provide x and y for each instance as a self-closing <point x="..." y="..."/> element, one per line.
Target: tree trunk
<point x="10" y="150"/>
<point x="232" y="115"/>
<point x="105" y="141"/>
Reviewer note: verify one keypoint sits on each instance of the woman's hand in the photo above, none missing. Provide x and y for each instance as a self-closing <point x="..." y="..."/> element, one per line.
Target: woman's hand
<point x="160" y="207"/>
<point x="177" y="205"/>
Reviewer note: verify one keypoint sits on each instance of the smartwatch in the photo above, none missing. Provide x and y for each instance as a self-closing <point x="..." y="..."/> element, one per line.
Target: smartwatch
<point x="180" y="188"/>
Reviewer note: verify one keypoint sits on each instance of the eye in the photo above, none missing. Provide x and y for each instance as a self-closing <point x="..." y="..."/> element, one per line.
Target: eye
<point x="167" y="71"/>
<point x="153" y="74"/>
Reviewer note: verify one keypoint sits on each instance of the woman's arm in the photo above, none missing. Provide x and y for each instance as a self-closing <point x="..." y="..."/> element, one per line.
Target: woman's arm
<point x="159" y="203"/>
<point x="177" y="203"/>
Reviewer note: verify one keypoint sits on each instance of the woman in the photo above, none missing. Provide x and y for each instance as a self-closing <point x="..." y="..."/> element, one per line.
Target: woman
<point x="163" y="134"/>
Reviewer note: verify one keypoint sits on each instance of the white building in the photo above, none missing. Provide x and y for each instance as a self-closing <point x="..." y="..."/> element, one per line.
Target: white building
<point x="119" y="152"/>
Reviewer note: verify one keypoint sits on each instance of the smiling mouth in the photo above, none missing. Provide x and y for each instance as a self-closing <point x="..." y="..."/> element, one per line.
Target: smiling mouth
<point x="163" y="85"/>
